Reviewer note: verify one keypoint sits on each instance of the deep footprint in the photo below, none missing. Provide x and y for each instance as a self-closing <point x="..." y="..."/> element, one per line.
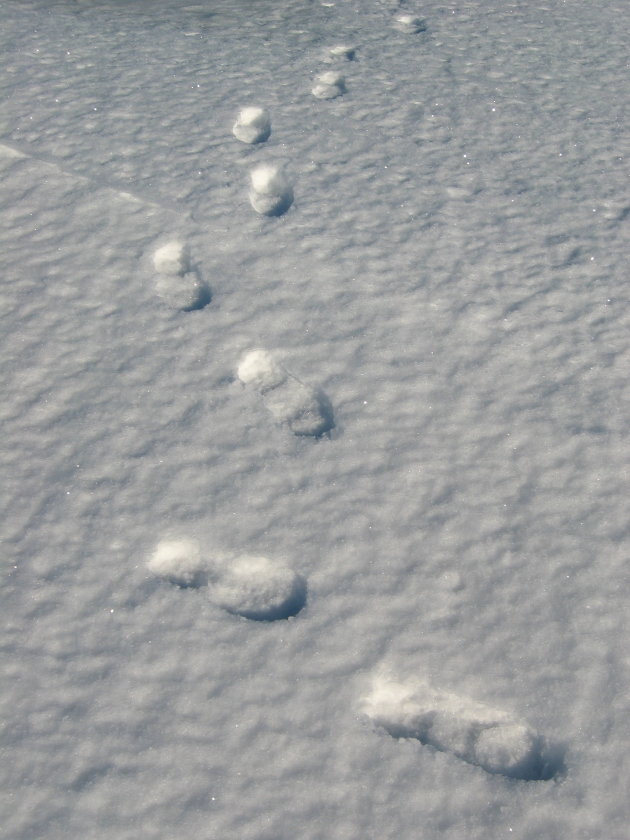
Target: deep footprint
<point x="302" y="408"/>
<point x="476" y="733"/>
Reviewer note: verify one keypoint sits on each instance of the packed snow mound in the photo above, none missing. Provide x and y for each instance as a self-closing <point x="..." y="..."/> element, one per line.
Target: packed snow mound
<point x="172" y="259"/>
<point x="178" y="561"/>
<point x="257" y="588"/>
<point x="478" y="734"/>
<point x="305" y="410"/>
<point x="271" y="193"/>
<point x="329" y="85"/>
<point x="252" y="125"/>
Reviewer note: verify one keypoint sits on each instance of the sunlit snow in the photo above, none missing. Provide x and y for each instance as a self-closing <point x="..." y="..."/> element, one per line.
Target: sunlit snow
<point x="315" y="412"/>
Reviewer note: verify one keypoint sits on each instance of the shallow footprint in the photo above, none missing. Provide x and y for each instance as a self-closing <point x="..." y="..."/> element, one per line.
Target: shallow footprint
<point x="257" y="588"/>
<point x="410" y="24"/>
<point x="329" y="85"/>
<point x="478" y="734"/>
<point x="177" y="283"/>
<point x="302" y="408"/>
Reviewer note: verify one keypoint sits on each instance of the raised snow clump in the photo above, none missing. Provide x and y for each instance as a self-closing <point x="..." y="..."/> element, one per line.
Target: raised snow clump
<point x="305" y="410"/>
<point x="178" y="561"/>
<point x="329" y="85"/>
<point x="257" y="588"/>
<point x="478" y="734"/>
<point x="271" y="193"/>
<point x="252" y="125"/>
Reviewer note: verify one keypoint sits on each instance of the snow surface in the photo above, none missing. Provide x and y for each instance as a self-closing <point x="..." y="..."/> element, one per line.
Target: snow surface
<point x="452" y="273"/>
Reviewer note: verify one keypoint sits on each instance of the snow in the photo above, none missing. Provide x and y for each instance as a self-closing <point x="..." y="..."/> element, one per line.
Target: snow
<point x="341" y="51"/>
<point x="444" y="303"/>
<point x="471" y="731"/>
<point x="329" y="85"/>
<point x="257" y="588"/>
<point x="304" y="409"/>
<point x="177" y="560"/>
<point x="259" y="369"/>
<point x="172" y="259"/>
<point x="410" y="24"/>
<point x="252" y="125"/>
<point x="271" y="193"/>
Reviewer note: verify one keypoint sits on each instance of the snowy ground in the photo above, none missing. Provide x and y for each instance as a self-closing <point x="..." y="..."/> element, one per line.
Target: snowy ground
<point x="431" y="456"/>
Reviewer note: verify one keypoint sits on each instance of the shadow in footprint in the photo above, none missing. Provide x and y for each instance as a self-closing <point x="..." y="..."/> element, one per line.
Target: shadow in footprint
<point x="327" y="416"/>
<point x="202" y="294"/>
<point x="184" y="292"/>
<point x="257" y="588"/>
<point x="482" y="736"/>
<point x="294" y="604"/>
<point x="503" y="750"/>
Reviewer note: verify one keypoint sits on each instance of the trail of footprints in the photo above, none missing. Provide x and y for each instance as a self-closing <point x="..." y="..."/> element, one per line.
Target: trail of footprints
<point x="258" y="588"/>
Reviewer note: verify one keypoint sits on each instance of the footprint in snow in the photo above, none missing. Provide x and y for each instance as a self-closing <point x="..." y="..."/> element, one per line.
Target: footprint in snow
<point x="250" y="586"/>
<point x="329" y="85"/>
<point x="256" y="587"/>
<point x="271" y="192"/>
<point x="252" y="125"/>
<point x="478" y="734"/>
<point x="177" y="283"/>
<point x="410" y="24"/>
<point x="343" y="52"/>
<point x="302" y="408"/>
